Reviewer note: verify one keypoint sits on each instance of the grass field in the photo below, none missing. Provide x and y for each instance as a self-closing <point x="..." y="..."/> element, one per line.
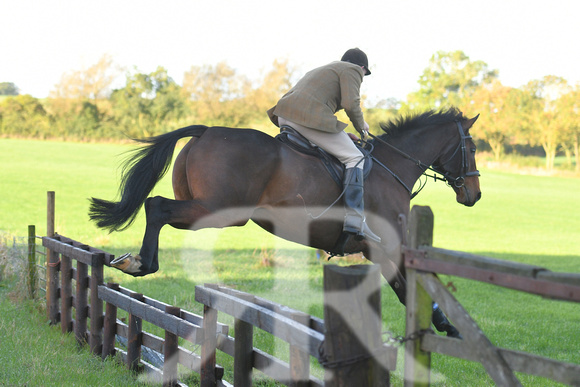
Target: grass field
<point x="32" y="353"/>
<point x="532" y="219"/>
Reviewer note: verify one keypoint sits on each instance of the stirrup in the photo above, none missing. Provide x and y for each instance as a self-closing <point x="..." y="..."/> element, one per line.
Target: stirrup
<point x="364" y="232"/>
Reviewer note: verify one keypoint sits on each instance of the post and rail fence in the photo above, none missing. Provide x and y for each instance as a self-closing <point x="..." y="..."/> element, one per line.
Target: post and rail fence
<point x="423" y="262"/>
<point x="306" y="335"/>
<point x="73" y="265"/>
<point x="345" y="344"/>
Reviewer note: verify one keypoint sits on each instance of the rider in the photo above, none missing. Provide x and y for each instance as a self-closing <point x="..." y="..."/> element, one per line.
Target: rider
<point x="309" y="108"/>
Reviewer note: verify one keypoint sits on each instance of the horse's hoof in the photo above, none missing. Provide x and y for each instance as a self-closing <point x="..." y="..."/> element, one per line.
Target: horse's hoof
<point x="127" y="263"/>
<point x="453" y="332"/>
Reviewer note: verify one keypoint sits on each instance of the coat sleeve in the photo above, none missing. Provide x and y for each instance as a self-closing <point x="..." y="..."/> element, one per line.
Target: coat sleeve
<point x="350" y="81"/>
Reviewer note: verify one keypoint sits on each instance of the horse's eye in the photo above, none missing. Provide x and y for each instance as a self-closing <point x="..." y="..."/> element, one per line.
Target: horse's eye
<point x="473" y="150"/>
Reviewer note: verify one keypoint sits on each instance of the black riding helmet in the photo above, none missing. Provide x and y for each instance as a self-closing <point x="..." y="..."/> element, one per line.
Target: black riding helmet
<point x="357" y="57"/>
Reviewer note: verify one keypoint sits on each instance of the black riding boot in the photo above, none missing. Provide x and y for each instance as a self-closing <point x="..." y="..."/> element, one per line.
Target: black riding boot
<point x="442" y="324"/>
<point x="354" y="221"/>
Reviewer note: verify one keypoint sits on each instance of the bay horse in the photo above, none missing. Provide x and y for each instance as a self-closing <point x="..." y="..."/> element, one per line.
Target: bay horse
<point x="227" y="176"/>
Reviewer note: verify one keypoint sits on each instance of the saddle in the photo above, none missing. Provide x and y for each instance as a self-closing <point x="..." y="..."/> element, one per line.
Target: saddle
<point x="335" y="168"/>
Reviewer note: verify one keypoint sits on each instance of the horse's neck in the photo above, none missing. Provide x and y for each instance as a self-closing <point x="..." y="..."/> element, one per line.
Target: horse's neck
<point x="424" y="145"/>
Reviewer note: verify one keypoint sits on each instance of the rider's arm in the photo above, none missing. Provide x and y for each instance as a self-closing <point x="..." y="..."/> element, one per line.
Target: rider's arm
<point x="350" y="81"/>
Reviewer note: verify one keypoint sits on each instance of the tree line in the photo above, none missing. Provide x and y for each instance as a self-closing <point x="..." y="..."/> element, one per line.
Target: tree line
<point x="543" y="114"/>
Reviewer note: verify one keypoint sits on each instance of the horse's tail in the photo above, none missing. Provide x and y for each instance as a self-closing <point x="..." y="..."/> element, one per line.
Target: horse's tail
<point x="140" y="173"/>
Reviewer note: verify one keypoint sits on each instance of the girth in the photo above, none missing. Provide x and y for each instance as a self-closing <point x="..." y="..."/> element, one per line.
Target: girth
<point x="335" y="168"/>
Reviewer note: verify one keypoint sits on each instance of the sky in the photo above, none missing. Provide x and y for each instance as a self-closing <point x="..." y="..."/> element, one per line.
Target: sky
<point x="525" y="40"/>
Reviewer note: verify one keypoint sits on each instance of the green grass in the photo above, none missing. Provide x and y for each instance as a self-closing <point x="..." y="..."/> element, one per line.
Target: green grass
<point x="532" y="219"/>
<point x="33" y="353"/>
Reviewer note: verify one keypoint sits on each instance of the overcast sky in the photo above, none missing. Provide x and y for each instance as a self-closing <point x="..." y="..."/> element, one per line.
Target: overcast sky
<point x="524" y="40"/>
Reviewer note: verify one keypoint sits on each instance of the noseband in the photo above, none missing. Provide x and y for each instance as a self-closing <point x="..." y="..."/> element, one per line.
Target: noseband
<point x="457" y="182"/>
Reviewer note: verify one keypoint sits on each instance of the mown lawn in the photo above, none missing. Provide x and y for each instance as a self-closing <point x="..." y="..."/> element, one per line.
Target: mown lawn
<point x="532" y="219"/>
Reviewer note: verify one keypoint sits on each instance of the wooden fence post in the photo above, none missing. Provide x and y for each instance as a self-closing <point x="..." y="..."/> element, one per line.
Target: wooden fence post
<point x="299" y="360"/>
<point x="419" y="303"/>
<point x="52" y="265"/>
<point x="96" y="334"/>
<point x="110" y="325"/>
<point x="81" y="303"/>
<point x="171" y="351"/>
<point x="352" y="317"/>
<point x="31" y="261"/>
<point x="208" y="348"/>
<point x="134" y="338"/>
<point x="66" y="297"/>
<point x="243" y="348"/>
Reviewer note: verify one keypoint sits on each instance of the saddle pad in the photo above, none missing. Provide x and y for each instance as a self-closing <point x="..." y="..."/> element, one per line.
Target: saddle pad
<point x="335" y="168"/>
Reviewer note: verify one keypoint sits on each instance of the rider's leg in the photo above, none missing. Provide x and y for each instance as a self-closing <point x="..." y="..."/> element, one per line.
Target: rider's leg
<point x="337" y="144"/>
<point x="354" y="221"/>
<point x="341" y="146"/>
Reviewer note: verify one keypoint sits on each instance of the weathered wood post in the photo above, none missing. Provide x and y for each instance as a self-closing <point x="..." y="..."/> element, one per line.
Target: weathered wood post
<point x="96" y="333"/>
<point x="134" y="337"/>
<point x="66" y="297"/>
<point x="352" y="314"/>
<point x="52" y="265"/>
<point x="243" y="348"/>
<point x="110" y="325"/>
<point x="418" y="362"/>
<point x="208" y="348"/>
<point x="171" y="351"/>
<point x="81" y="303"/>
<point x="299" y="360"/>
<point x="31" y="261"/>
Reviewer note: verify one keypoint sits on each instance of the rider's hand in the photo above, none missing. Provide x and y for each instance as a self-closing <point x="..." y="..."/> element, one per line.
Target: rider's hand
<point x="365" y="132"/>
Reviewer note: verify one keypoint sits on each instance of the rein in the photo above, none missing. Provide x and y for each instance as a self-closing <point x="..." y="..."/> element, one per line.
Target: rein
<point x="458" y="181"/>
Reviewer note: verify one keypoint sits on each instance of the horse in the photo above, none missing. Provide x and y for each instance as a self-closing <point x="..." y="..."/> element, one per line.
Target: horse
<point x="226" y="177"/>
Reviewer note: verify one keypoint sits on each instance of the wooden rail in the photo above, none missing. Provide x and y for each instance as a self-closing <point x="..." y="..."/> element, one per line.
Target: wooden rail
<point x="422" y="260"/>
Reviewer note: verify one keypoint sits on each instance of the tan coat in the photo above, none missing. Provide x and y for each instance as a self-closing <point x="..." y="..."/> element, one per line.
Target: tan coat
<point x="314" y="100"/>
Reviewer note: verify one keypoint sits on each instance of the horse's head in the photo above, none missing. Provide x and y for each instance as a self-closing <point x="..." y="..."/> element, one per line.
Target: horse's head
<point x="458" y="165"/>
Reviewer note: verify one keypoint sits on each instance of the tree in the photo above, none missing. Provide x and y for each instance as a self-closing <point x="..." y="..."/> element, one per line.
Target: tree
<point x="8" y="88"/>
<point x="275" y="84"/>
<point x="216" y="94"/>
<point x="148" y="104"/>
<point x="449" y="78"/>
<point x="496" y="105"/>
<point x="381" y="112"/>
<point x="569" y="107"/>
<point x="74" y="119"/>
<point x="23" y="116"/>
<point x="92" y="83"/>
<point x="546" y="124"/>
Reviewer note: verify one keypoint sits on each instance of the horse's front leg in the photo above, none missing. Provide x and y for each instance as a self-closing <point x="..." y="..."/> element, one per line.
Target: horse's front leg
<point x="398" y="283"/>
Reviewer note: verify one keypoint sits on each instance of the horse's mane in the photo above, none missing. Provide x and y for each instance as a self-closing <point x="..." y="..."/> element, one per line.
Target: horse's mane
<point x="403" y="124"/>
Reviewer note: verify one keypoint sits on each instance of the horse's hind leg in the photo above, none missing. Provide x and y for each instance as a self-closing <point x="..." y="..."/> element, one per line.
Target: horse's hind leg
<point x="183" y="214"/>
<point x="146" y="262"/>
<point x="161" y="211"/>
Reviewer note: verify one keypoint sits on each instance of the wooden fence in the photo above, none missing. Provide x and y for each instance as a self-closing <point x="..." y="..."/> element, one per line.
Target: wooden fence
<point x="347" y="356"/>
<point x="423" y="260"/>
<point x="74" y="281"/>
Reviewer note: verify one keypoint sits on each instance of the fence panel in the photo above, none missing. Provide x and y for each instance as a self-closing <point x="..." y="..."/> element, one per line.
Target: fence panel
<point x="422" y="259"/>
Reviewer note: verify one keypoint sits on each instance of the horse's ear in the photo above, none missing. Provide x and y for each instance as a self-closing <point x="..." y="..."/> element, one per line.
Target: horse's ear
<point x="469" y="123"/>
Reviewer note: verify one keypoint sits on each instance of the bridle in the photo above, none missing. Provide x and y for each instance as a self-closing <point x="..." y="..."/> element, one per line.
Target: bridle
<point x="457" y="182"/>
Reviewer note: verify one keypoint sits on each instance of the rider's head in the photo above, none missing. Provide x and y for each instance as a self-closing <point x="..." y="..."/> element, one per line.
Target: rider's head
<point x="357" y="57"/>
